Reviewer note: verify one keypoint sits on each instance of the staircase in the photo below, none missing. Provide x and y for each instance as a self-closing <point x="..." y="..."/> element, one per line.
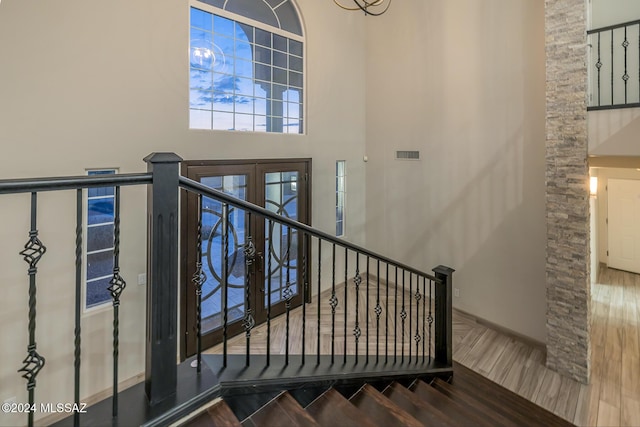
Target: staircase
<point x="468" y="400"/>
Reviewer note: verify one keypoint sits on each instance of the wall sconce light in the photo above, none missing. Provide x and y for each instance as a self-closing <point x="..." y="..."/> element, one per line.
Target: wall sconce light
<point x="593" y="186"/>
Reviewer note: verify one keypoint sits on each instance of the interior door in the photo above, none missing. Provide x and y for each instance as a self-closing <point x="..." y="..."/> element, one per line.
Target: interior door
<point x="624" y="224"/>
<point x="280" y="186"/>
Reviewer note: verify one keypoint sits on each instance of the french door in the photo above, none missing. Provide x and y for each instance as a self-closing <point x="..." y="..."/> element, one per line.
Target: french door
<point x="280" y="186"/>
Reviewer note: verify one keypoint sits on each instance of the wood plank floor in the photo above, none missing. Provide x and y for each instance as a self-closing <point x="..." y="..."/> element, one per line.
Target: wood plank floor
<point x="612" y="398"/>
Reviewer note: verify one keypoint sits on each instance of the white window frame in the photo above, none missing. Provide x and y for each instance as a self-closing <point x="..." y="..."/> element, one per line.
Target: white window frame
<point x="341" y="191"/>
<point x="257" y="24"/>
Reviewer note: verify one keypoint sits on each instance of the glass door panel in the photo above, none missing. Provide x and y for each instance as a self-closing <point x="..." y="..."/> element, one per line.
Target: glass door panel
<point x="213" y="251"/>
<point x="281" y="197"/>
<point x="279" y="186"/>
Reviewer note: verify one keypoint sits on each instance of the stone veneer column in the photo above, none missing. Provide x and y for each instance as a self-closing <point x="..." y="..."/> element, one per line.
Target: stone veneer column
<point x="567" y="194"/>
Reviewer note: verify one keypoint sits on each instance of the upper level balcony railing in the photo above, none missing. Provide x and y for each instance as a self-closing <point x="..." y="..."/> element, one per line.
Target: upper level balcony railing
<point x="614" y="66"/>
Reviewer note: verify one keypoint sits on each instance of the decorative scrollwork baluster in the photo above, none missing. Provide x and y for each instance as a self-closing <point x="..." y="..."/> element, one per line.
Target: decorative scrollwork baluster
<point x="378" y="311"/>
<point x="357" y="280"/>
<point x="417" y="336"/>
<point x="249" y="257"/>
<point x="333" y="302"/>
<point x="366" y="357"/>
<point x="625" y="76"/>
<point x="288" y="295"/>
<point x="424" y="316"/>
<point x="32" y="253"/>
<point x="430" y="317"/>
<point x="199" y="278"/>
<point x="116" y="286"/>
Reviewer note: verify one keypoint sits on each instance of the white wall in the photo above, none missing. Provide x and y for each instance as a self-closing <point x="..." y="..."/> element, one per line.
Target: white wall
<point x="463" y="82"/>
<point x="90" y="84"/>
<point x="611" y="12"/>
<point x="614" y="132"/>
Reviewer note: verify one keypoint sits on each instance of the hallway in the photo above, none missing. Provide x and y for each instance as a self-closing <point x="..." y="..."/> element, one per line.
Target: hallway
<point x="612" y="398"/>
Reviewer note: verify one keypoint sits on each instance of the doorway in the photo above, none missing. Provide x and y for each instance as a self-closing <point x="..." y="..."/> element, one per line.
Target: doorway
<point x="623" y="226"/>
<point x="281" y="186"/>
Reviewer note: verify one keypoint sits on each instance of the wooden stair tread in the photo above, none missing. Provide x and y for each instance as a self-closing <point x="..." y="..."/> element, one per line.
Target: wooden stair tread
<point x="457" y="410"/>
<point x="471" y="404"/>
<point x="218" y="415"/>
<point x="510" y="404"/>
<point x="384" y="411"/>
<point x="331" y="409"/>
<point x="283" y="410"/>
<point x="421" y="410"/>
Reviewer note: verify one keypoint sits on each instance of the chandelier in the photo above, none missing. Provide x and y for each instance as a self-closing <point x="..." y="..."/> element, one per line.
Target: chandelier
<point x="369" y="7"/>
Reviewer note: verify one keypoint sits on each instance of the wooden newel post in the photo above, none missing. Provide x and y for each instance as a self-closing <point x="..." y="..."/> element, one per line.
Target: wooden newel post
<point x="443" y="317"/>
<point x="162" y="276"/>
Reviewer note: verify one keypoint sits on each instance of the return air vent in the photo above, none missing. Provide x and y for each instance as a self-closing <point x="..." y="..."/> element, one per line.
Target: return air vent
<point x="407" y="155"/>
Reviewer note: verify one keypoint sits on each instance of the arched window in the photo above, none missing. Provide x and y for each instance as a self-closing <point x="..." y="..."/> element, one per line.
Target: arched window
<point x="246" y="66"/>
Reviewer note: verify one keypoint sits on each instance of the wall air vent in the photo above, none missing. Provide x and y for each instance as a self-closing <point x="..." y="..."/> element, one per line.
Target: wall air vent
<point x="407" y="155"/>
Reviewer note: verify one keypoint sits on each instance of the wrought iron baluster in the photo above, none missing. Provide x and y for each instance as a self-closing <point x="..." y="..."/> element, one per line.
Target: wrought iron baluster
<point x="424" y="316"/>
<point x="612" y="102"/>
<point x="318" y="296"/>
<point x="305" y="284"/>
<point x="288" y="294"/>
<point x="268" y="299"/>
<point x="378" y="311"/>
<point x="32" y="253"/>
<point x="395" y="321"/>
<point x="599" y="66"/>
<point x="386" y="317"/>
<point x="77" y="330"/>
<point x="333" y="302"/>
<point x="117" y="285"/>
<point x="430" y="318"/>
<point x="249" y="258"/>
<point x="357" y="280"/>
<point x="199" y="278"/>
<point x="417" y="336"/>
<point x="625" y="76"/>
<point x="409" y="312"/>
<point x="346" y="283"/>
<point x="403" y="315"/>
<point x="367" y="317"/>
<point x="225" y="280"/>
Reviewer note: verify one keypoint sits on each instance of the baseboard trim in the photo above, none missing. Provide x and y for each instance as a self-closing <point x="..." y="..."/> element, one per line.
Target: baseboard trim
<point x="508" y="332"/>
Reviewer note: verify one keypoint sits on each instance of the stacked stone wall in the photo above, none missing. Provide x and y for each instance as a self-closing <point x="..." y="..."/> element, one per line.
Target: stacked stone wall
<point x="567" y="191"/>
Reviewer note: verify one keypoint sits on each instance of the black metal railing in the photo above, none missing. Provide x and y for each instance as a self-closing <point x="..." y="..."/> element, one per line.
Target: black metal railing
<point x="614" y="66"/>
<point x="34" y="250"/>
<point x="420" y="317"/>
<point x="415" y="325"/>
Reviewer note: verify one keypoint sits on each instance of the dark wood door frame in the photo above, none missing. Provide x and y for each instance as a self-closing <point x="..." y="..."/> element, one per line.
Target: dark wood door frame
<point x="196" y="169"/>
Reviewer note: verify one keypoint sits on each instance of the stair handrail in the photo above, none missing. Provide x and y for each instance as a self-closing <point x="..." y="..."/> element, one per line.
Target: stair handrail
<point x="189" y="184"/>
